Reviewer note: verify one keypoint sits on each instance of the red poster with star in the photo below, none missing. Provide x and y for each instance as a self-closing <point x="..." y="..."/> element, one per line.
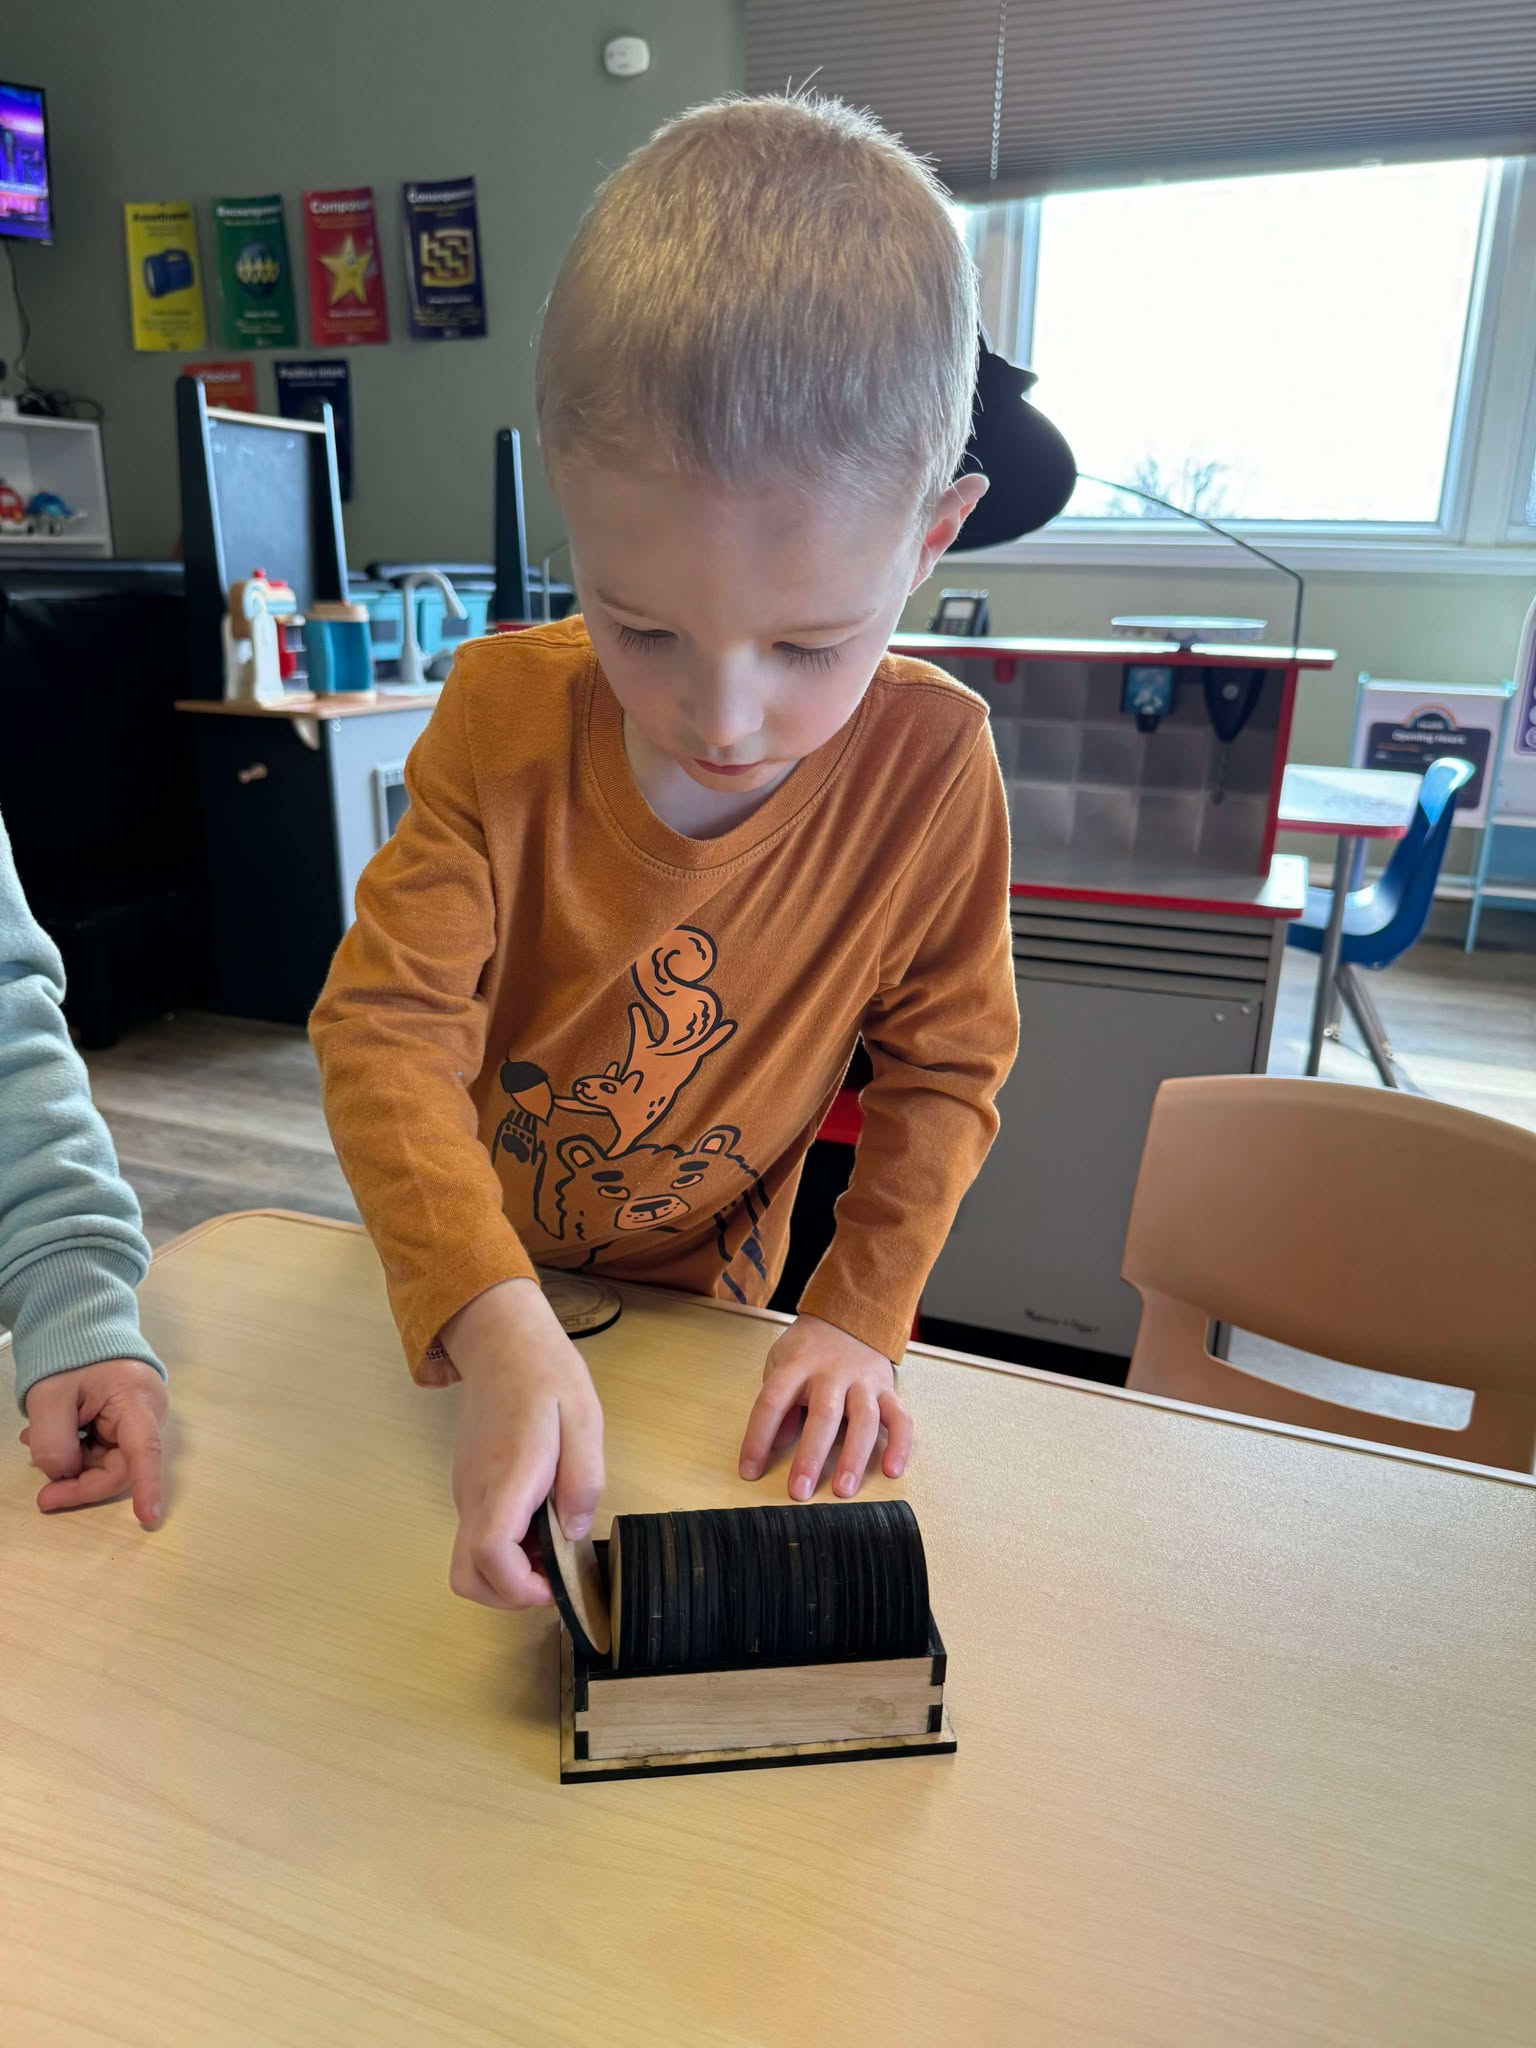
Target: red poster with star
<point x="346" y="285"/>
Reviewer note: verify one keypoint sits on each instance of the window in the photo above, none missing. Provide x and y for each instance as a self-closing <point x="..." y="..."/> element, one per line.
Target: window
<point x="1313" y="352"/>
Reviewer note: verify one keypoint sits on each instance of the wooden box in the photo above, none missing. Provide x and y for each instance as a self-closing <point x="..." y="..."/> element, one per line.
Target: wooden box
<point x="747" y="1717"/>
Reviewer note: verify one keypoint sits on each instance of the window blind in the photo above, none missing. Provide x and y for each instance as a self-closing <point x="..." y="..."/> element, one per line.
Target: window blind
<point x="1104" y="92"/>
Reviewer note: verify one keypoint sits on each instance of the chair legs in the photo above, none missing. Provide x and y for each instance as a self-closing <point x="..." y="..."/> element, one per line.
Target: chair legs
<point x="1352" y="853"/>
<point x="1368" y="1022"/>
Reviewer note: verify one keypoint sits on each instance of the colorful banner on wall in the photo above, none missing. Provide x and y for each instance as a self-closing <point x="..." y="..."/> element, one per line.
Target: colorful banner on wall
<point x="164" y="289"/>
<point x="442" y="260"/>
<point x="232" y="385"/>
<point x="346" y="285"/>
<point x="302" y="388"/>
<point x="255" y="275"/>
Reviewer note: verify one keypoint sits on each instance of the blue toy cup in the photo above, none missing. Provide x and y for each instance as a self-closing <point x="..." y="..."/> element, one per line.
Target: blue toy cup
<point x="340" y="648"/>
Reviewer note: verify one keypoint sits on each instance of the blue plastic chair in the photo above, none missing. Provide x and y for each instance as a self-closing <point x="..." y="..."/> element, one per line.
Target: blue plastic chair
<point x="1382" y="920"/>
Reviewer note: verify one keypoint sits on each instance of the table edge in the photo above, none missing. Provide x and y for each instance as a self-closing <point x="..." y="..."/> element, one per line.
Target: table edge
<point x="968" y="1360"/>
<point x="1330" y="828"/>
<point x="309" y="704"/>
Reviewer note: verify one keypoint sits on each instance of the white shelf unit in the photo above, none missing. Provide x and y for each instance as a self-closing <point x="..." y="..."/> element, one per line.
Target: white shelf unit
<point x="63" y="456"/>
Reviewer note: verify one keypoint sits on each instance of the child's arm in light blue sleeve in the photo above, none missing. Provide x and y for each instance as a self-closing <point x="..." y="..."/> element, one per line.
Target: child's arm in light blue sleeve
<point x="71" y="1250"/>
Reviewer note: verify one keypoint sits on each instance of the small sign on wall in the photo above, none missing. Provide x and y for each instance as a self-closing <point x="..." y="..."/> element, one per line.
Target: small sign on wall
<point x="346" y="285"/>
<point x="303" y="388"/>
<point x="232" y="385"/>
<point x="1517" y="785"/>
<point x="1407" y="726"/>
<point x="164" y="289"/>
<point x="442" y="260"/>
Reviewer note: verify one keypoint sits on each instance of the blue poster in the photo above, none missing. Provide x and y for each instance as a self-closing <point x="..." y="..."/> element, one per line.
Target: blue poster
<point x="302" y="388"/>
<point x="442" y="260"/>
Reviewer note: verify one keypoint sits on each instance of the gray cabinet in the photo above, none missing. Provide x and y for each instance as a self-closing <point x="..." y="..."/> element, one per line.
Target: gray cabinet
<point x="294" y="808"/>
<point x="1112" y="1002"/>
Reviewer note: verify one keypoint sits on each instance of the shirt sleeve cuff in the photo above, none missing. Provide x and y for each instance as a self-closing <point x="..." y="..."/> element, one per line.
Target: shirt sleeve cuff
<point x="421" y="1307"/>
<point x="886" y="1325"/>
<point x="73" y="1308"/>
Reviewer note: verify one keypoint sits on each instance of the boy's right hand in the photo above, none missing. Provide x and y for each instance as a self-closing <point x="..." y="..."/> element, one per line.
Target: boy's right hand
<point x="529" y="1425"/>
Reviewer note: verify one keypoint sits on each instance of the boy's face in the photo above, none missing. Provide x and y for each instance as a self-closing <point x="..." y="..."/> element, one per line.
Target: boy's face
<point x="739" y="629"/>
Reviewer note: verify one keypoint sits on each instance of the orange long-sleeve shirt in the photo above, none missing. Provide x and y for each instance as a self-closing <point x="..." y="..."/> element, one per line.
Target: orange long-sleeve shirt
<point x="562" y="1032"/>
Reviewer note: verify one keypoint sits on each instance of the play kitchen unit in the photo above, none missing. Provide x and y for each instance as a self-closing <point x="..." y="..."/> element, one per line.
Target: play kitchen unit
<point x="1149" y="914"/>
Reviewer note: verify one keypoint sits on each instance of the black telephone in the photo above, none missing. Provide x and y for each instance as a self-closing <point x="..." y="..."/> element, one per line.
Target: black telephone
<point x="1231" y="698"/>
<point x="962" y="613"/>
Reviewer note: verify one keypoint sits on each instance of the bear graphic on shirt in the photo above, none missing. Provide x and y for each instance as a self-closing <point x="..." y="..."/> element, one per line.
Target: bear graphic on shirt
<point x="591" y="1187"/>
<point x="598" y="1196"/>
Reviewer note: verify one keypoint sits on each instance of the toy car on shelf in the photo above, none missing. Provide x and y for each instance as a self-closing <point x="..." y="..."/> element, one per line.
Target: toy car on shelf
<point x="48" y="513"/>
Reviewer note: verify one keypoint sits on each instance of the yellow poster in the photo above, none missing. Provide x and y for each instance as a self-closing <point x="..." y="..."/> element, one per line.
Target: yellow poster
<point x="163" y="280"/>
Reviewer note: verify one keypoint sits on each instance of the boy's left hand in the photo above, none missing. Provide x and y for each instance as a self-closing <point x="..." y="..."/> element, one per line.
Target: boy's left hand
<point x="833" y="1377"/>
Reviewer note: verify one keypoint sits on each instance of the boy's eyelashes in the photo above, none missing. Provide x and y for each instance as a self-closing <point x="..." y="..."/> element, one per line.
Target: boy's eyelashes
<point x="647" y="641"/>
<point x="809" y="657"/>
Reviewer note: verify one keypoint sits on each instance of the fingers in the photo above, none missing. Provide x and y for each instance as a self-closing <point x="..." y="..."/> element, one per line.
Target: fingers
<point x="863" y="1428"/>
<point x="824" y="1418"/>
<point x="138" y="1437"/>
<point x="897" y="1418"/>
<point x="784" y="1436"/>
<point x="490" y="1563"/>
<point x="781" y="1392"/>
<point x="105" y="1476"/>
<point x="53" y="1427"/>
<point x="579" y="1481"/>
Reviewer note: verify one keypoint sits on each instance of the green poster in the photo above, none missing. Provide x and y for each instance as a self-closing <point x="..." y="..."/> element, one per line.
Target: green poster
<point x="255" y="278"/>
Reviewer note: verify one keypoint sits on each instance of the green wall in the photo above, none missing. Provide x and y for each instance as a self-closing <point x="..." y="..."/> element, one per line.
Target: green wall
<point x="192" y="99"/>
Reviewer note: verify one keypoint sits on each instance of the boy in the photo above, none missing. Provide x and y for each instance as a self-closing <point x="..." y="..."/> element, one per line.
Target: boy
<point x="663" y="864"/>
<point x="71" y="1250"/>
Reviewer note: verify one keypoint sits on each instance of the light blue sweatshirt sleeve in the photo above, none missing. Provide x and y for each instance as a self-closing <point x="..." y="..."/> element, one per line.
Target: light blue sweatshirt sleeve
<point x="71" y="1249"/>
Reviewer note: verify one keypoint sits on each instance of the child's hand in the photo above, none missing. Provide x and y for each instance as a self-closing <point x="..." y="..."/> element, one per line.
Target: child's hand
<point x="122" y="1405"/>
<point x="833" y="1377"/>
<point x="529" y="1424"/>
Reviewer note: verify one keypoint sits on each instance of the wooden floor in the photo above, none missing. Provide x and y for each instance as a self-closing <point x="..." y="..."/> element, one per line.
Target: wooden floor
<point x="211" y="1114"/>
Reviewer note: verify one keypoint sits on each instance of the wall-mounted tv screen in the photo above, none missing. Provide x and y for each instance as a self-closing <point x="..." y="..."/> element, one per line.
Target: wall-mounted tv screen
<point x="26" y="203"/>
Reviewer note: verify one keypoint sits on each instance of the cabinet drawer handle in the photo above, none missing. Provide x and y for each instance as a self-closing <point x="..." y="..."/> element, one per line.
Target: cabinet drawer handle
<point x="257" y="772"/>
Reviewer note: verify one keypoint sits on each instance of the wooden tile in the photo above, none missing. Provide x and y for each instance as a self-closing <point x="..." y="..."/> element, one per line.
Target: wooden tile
<point x="213" y="1113"/>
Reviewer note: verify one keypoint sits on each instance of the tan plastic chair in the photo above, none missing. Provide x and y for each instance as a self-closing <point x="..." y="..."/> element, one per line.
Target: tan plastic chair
<point x="1381" y="1230"/>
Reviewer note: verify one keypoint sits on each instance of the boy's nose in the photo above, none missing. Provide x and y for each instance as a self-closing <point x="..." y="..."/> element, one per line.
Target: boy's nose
<point x="725" y="716"/>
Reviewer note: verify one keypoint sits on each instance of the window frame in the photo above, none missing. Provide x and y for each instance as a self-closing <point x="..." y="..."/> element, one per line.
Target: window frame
<point x="1491" y="452"/>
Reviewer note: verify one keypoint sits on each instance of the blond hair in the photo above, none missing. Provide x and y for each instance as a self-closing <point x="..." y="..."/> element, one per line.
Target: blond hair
<point x="768" y="289"/>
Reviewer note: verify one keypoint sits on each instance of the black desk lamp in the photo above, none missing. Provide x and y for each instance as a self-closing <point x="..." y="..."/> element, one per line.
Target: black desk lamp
<point x="1033" y="473"/>
<point x="1032" y="470"/>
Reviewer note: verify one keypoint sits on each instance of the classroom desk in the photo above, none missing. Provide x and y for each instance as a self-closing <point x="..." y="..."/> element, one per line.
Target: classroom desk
<point x="1351" y="805"/>
<point x="1244" y="1718"/>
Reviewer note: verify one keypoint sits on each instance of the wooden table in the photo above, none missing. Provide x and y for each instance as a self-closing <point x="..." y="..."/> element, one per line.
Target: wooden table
<point x="1351" y="805"/>
<point x="1245" y="1720"/>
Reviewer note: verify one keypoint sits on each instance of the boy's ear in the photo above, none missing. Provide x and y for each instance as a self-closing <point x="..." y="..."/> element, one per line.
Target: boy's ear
<point x="949" y="515"/>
